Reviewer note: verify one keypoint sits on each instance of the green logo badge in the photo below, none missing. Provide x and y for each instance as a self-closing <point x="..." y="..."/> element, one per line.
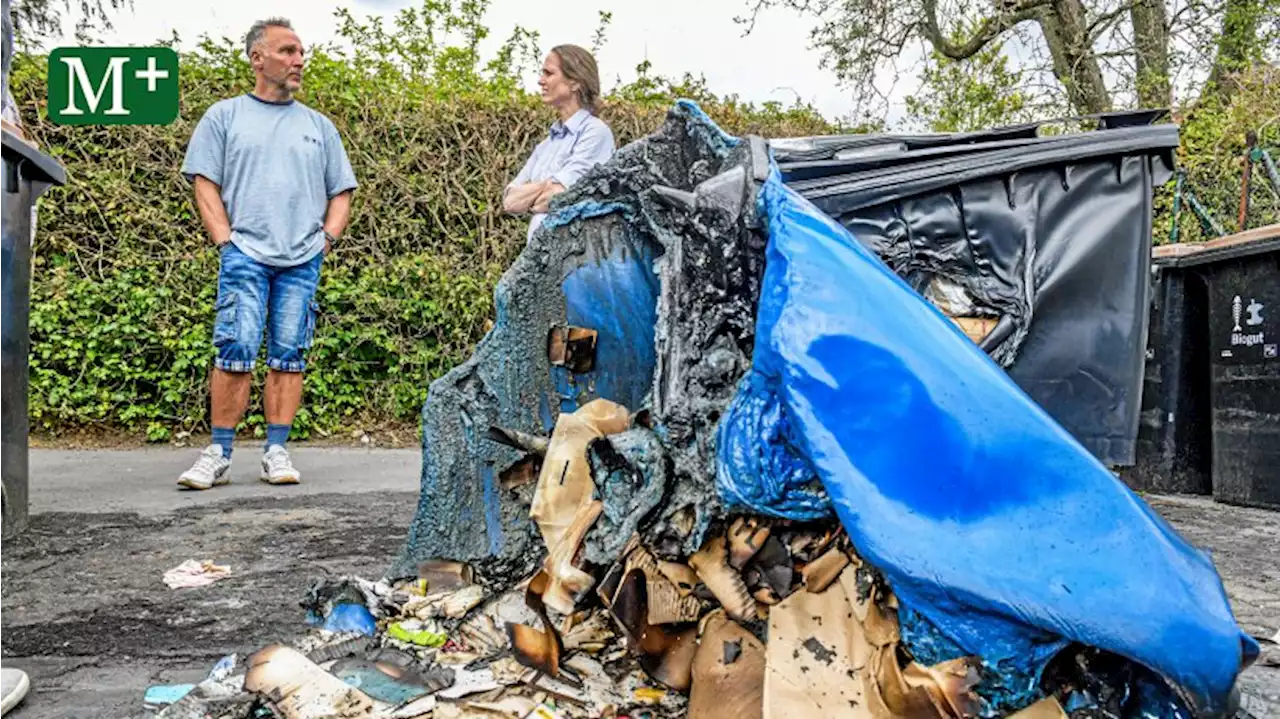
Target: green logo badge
<point x="113" y="85"/>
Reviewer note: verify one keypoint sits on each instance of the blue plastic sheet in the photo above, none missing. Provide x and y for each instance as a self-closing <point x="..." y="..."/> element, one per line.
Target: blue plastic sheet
<point x="985" y="516"/>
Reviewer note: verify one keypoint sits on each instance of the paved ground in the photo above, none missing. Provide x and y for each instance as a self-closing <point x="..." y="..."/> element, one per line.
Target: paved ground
<point x="85" y="610"/>
<point x="143" y="480"/>
<point x="86" y="613"/>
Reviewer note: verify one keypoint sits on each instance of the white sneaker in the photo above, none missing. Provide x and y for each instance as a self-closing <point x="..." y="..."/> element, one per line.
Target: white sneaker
<point x="209" y="470"/>
<point x="14" y="686"/>
<point x="277" y="468"/>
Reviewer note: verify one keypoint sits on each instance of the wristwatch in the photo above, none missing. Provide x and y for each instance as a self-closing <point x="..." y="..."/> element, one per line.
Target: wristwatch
<point x="330" y="239"/>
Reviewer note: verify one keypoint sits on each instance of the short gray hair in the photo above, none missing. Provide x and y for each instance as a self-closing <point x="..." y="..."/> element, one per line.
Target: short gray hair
<point x="260" y="28"/>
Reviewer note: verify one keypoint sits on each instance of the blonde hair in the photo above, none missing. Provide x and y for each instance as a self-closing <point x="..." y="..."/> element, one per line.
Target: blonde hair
<point x="579" y="66"/>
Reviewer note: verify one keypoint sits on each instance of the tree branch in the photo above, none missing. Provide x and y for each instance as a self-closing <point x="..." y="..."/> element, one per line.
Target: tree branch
<point x="1100" y="23"/>
<point x="988" y="30"/>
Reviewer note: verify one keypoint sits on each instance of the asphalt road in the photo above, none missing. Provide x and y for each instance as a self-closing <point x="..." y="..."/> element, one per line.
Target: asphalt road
<point x="145" y="480"/>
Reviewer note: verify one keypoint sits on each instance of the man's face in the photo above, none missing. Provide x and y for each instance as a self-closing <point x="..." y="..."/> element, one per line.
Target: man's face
<point x="278" y="58"/>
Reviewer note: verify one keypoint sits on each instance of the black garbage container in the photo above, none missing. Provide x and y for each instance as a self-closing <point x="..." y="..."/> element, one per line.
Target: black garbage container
<point x="1049" y="236"/>
<point x="1175" y="429"/>
<point x="1243" y="277"/>
<point x="28" y="172"/>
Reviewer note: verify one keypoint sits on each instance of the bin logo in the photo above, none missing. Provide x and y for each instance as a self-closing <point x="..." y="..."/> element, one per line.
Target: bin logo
<point x="1238" y="337"/>
<point x="1255" y="313"/>
<point x="113" y="85"/>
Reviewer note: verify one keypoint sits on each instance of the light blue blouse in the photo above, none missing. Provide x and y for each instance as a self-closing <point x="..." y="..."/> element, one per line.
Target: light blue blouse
<point x="570" y="149"/>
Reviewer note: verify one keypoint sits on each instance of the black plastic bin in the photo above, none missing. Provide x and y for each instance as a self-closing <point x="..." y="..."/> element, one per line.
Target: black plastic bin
<point x="1050" y="235"/>
<point x="1243" y="276"/>
<point x="1175" y="429"/>
<point x="28" y="172"/>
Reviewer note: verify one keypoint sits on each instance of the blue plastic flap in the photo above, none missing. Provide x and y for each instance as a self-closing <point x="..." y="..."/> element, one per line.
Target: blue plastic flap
<point x="985" y="516"/>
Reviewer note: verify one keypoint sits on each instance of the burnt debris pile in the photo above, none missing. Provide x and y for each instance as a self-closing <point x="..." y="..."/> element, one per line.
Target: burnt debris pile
<point x="716" y="459"/>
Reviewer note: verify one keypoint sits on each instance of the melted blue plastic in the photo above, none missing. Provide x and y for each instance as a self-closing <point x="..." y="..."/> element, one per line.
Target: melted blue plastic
<point x="617" y="297"/>
<point x="985" y="516"/>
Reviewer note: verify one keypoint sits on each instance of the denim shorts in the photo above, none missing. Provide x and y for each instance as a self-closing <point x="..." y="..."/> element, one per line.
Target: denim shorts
<point x="253" y="297"/>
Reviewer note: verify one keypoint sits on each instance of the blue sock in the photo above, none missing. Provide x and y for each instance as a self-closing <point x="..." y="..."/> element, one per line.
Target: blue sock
<point x="278" y="434"/>
<point x="224" y="436"/>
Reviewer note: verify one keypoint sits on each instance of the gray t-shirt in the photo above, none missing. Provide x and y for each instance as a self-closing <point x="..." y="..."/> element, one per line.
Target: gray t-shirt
<point x="278" y="164"/>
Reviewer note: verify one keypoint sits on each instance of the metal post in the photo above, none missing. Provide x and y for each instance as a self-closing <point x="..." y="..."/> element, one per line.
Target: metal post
<point x="1251" y="140"/>
<point x="1210" y="225"/>
<point x="1261" y="155"/>
<point x="1177" y="207"/>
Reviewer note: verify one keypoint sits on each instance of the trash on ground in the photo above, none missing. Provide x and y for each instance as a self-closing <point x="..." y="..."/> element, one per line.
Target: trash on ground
<point x="380" y="680"/>
<point x="417" y="632"/>
<point x="164" y="695"/>
<point x="192" y="574"/>
<point x="351" y="618"/>
<point x="221" y="694"/>
<point x="299" y="689"/>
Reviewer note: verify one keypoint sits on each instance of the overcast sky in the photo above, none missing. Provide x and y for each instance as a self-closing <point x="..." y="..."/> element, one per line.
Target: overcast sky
<point x="774" y="62"/>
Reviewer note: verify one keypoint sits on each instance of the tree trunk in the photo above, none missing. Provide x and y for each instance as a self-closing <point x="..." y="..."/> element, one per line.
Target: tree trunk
<point x="1237" y="45"/>
<point x="1074" y="62"/>
<point x="1151" y="51"/>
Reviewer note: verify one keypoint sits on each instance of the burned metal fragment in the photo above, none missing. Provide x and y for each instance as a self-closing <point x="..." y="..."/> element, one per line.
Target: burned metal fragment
<point x="572" y="347"/>
<point x="534" y="444"/>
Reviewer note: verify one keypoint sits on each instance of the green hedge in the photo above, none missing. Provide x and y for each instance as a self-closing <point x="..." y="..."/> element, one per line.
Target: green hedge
<point x="124" y="277"/>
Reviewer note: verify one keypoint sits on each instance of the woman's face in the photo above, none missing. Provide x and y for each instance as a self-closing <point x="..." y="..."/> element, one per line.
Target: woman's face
<point x="557" y="90"/>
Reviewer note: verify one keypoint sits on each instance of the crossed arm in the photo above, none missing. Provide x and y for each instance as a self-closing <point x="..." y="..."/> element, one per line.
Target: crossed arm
<point x="523" y="195"/>
<point x="530" y="197"/>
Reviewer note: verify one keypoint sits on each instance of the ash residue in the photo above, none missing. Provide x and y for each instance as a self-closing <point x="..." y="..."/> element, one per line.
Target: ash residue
<point x="630" y="471"/>
<point x="711" y="271"/>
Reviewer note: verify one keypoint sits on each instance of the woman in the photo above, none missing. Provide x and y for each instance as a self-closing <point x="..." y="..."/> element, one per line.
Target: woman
<point x="577" y="142"/>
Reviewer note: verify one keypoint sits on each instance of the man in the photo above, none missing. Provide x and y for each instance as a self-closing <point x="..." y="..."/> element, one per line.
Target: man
<point x="273" y="185"/>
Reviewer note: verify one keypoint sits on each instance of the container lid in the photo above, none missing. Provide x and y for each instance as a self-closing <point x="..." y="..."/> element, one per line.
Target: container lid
<point x="38" y="167"/>
<point x="1242" y="244"/>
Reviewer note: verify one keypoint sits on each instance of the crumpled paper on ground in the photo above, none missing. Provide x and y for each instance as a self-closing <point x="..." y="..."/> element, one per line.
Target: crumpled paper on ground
<point x="192" y="574"/>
